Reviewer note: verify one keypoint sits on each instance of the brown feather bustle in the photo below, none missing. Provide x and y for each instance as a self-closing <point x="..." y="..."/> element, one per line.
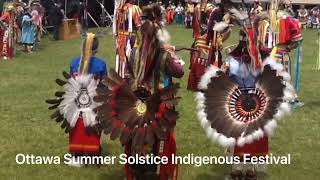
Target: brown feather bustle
<point x="226" y="119"/>
<point x="135" y="116"/>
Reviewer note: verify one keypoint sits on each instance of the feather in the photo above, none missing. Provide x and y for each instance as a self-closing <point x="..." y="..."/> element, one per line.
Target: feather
<point x="125" y="134"/>
<point x="269" y="127"/>
<point x="59" y="118"/>
<point x="53" y="107"/>
<point x="66" y="75"/>
<point x="55" y="114"/>
<point x="211" y="71"/>
<point x="138" y="139"/>
<point x="115" y="76"/>
<point x="220" y="26"/>
<point x="163" y="36"/>
<point x="60" y="82"/>
<point x="59" y="94"/>
<point x="53" y="101"/>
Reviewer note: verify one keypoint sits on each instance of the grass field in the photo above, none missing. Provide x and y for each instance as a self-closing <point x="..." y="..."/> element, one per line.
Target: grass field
<point x="26" y="128"/>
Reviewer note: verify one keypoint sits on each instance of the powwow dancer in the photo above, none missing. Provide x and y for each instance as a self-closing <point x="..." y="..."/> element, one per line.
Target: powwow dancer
<point x="141" y="113"/>
<point x="7" y="33"/>
<point x="209" y="37"/>
<point x="286" y="36"/>
<point x="74" y="105"/>
<point x="236" y="104"/>
<point x="127" y="22"/>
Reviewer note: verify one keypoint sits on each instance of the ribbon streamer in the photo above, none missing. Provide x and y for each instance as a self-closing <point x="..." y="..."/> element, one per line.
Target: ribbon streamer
<point x="297" y="70"/>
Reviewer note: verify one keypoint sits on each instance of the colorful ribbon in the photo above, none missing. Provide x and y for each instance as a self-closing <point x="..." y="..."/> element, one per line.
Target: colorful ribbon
<point x="297" y="70"/>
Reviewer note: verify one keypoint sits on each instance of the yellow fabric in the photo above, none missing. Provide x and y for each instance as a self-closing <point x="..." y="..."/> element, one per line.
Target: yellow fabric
<point x="86" y="53"/>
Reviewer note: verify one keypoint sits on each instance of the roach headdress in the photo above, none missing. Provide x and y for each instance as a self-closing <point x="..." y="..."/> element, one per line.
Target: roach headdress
<point x="77" y="96"/>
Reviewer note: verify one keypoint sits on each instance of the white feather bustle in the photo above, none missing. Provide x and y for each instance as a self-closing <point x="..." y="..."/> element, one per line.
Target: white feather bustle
<point x="270" y="127"/>
<point x="68" y="107"/>
<point x="285" y="107"/>
<point x="210" y="72"/>
<point x="200" y="99"/>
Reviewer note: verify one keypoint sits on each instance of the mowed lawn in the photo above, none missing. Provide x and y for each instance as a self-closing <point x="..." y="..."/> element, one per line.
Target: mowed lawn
<point x="26" y="127"/>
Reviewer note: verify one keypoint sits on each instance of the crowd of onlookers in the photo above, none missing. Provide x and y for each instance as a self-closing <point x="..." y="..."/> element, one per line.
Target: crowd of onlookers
<point x="309" y="17"/>
<point x="182" y="14"/>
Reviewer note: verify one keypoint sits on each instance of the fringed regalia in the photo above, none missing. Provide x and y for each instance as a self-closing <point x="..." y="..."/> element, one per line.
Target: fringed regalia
<point x="7" y="33"/>
<point x="208" y="38"/>
<point x="237" y="107"/>
<point x="126" y="23"/>
<point x="141" y="113"/>
<point x="74" y="105"/>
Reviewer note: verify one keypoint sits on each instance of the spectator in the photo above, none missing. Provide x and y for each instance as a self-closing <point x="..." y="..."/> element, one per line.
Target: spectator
<point x="178" y="14"/>
<point x="315" y="17"/>
<point x="56" y="16"/>
<point x="303" y="16"/>
<point x="28" y="32"/>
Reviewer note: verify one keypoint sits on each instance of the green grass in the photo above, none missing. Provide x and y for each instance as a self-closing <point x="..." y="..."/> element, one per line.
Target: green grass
<point x="26" y="127"/>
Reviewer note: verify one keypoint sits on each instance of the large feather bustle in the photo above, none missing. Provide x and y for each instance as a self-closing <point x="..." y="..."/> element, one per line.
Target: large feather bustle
<point x="219" y="125"/>
<point x="121" y="112"/>
<point x="68" y="111"/>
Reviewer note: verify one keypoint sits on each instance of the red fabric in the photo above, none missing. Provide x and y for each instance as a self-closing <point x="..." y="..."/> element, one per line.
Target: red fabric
<point x="82" y="143"/>
<point x="257" y="148"/>
<point x="5" y="50"/>
<point x="253" y="51"/>
<point x="169" y="149"/>
<point x="170" y="16"/>
<point x="283" y="35"/>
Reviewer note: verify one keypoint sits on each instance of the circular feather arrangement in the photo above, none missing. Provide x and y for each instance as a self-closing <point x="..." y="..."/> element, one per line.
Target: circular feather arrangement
<point x="76" y="99"/>
<point x="232" y="115"/>
<point x="135" y="116"/>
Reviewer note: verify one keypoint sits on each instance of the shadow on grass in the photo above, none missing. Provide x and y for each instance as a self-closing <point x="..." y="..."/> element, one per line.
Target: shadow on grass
<point x="222" y="172"/>
<point x="115" y="174"/>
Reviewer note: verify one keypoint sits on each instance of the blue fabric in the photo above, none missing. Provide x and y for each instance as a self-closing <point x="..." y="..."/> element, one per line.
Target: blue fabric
<point x="28" y="31"/>
<point x="297" y="73"/>
<point x="235" y="74"/>
<point x="97" y="66"/>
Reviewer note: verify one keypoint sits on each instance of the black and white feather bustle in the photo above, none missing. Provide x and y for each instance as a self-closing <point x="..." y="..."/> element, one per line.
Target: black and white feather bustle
<point x="75" y="99"/>
<point x="236" y="116"/>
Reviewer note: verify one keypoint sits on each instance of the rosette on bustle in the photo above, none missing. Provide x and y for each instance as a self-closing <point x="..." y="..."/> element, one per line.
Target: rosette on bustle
<point x="136" y="115"/>
<point x="232" y="115"/>
<point x="76" y="99"/>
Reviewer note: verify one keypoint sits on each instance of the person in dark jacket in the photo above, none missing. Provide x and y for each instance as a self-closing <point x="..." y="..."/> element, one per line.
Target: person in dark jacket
<point x="56" y="16"/>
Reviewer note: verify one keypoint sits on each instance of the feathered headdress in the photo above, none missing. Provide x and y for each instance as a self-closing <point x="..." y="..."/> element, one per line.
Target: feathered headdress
<point x="77" y="96"/>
